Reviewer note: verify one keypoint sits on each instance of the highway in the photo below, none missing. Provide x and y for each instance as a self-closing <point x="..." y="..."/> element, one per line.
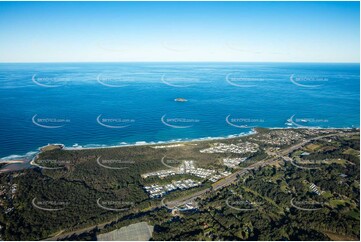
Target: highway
<point x="216" y="186"/>
<point x="233" y="177"/>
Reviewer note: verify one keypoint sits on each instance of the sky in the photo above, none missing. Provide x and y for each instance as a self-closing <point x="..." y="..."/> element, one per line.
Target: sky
<point x="180" y="31"/>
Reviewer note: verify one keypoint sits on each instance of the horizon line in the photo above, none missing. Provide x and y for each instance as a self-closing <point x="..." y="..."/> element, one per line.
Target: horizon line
<point x="290" y="62"/>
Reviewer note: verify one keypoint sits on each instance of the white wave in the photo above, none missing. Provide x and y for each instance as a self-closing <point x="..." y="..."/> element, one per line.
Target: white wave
<point x="139" y="143"/>
<point x="18" y="157"/>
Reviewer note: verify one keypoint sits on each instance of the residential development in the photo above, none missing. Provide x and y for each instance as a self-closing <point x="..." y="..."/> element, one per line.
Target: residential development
<point x="187" y="167"/>
<point x="156" y="191"/>
<point x="233" y="162"/>
<point x="241" y="148"/>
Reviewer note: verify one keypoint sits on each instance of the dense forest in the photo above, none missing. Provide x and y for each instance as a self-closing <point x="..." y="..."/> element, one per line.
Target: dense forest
<point x="276" y="202"/>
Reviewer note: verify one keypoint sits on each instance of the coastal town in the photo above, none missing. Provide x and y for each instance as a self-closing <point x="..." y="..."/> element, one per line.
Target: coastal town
<point x="157" y="191"/>
<point x="241" y="148"/>
<point x="278" y="137"/>
<point x="273" y="140"/>
<point x="187" y="167"/>
<point x="187" y="171"/>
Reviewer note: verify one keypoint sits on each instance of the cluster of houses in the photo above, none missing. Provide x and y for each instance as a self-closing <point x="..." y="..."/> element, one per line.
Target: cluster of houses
<point x="233" y="162"/>
<point x="187" y="167"/>
<point x="156" y="191"/>
<point x="321" y="131"/>
<point x="278" y="137"/>
<point x="241" y="148"/>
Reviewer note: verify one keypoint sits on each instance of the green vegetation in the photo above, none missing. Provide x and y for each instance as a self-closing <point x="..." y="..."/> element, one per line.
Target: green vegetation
<point x="266" y="192"/>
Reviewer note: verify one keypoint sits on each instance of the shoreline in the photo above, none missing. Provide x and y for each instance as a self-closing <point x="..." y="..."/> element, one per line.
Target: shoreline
<point x="35" y="154"/>
<point x="8" y="162"/>
<point x="138" y="143"/>
<point x="144" y="143"/>
<point x="176" y="141"/>
<point x="182" y="141"/>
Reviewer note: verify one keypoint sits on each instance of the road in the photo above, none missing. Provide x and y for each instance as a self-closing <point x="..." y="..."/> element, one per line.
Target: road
<point x="216" y="186"/>
<point x="234" y="176"/>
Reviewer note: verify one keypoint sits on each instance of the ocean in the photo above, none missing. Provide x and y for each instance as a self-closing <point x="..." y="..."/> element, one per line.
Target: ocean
<point x="110" y="104"/>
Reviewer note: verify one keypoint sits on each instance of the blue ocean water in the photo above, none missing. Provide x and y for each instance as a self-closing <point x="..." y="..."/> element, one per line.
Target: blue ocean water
<point x="103" y="104"/>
